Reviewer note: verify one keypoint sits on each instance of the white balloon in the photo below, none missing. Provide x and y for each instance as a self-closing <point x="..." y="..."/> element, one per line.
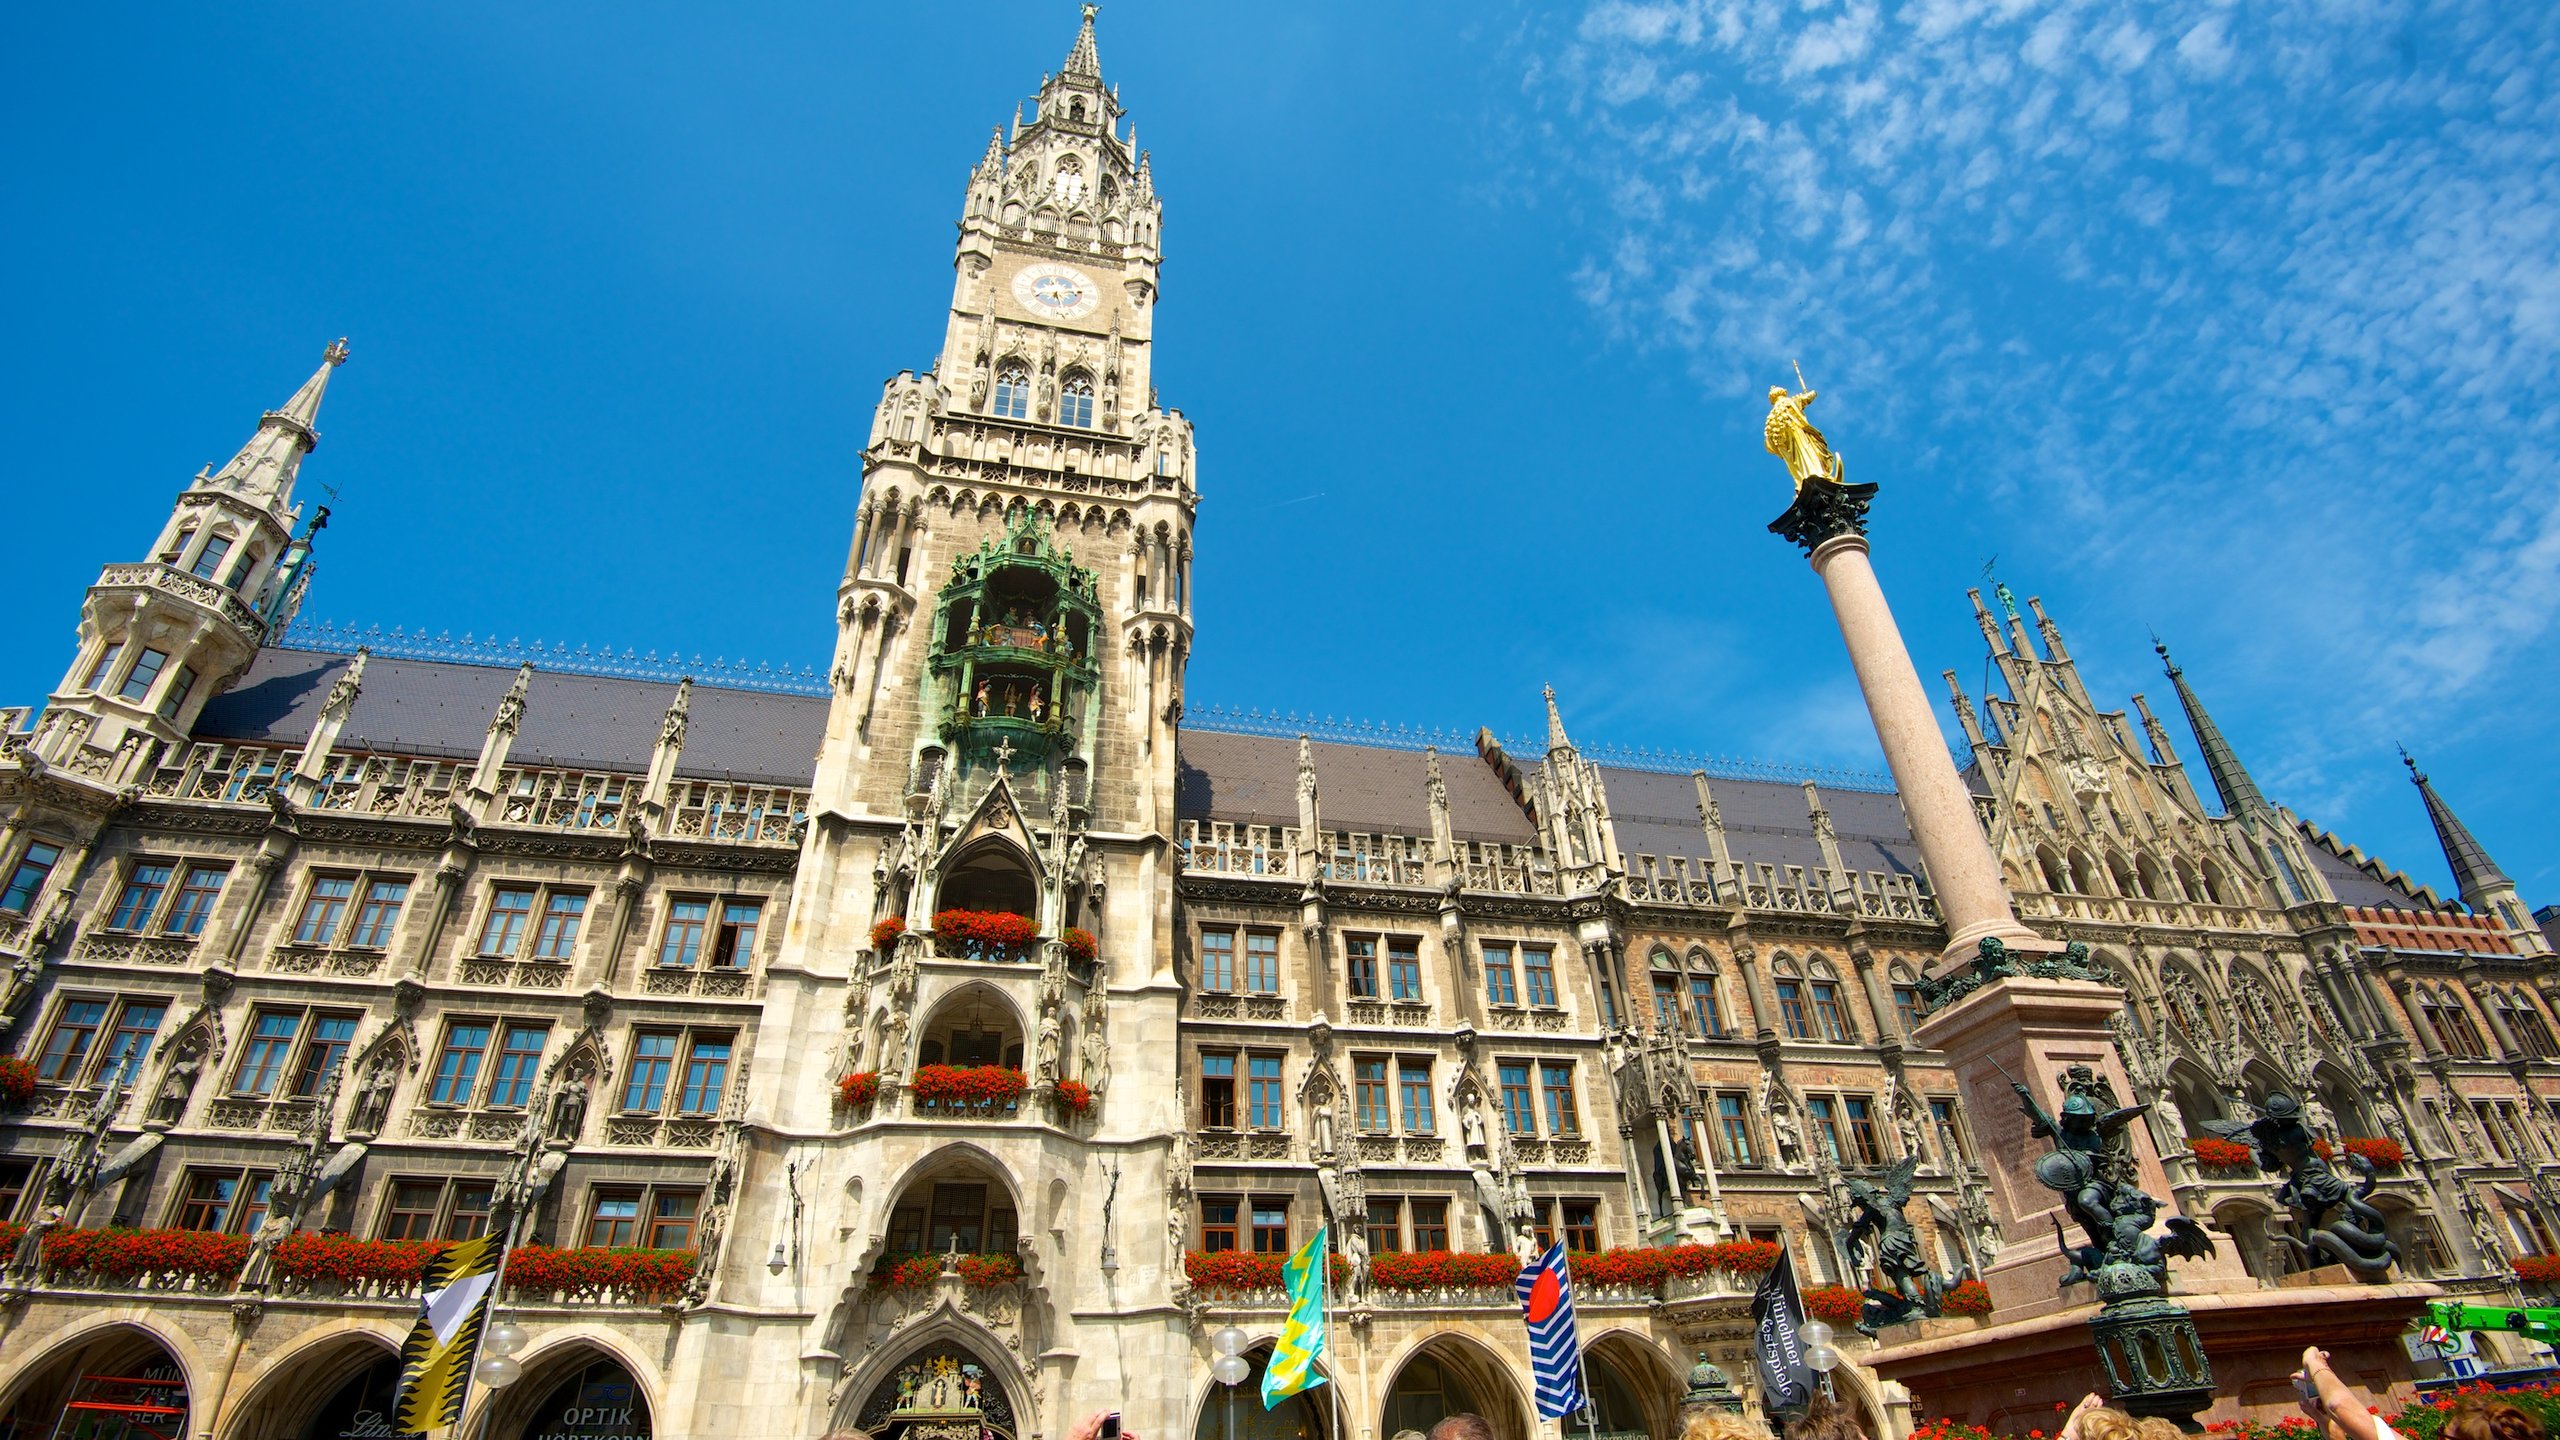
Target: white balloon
<point x="1815" y="1334"/>
<point x="504" y="1338"/>
<point x="1821" y="1357"/>
<point x="498" y="1371"/>
<point x="1228" y="1341"/>
<point x="1231" y="1370"/>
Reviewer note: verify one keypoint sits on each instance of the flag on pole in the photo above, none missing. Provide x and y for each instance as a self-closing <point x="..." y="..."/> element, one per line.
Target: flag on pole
<point x="1777" y="1312"/>
<point x="1301" y="1343"/>
<point x="435" y="1361"/>
<point x="1555" y="1349"/>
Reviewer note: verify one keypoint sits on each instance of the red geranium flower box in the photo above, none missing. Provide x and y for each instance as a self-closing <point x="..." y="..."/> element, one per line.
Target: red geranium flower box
<point x="1243" y="1270"/>
<point x="589" y="1271"/>
<point x="2538" y="1269"/>
<point x="989" y="1270"/>
<point x="858" y="1089"/>
<point x="908" y="1272"/>
<point x="885" y="933"/>
<point x="350" y="1262"/>
<point x="1834" y="1304"/>
<point x="17" y="1081"/>
<point x="2217" y="1154"/>
<point x="1969" y="1297"/>
<point x="121" y="1254"/>
<point x="985" y="934"/>
<point x="979" y="1085"/>
<point x="1442" y="1270"/>
<point x="2380" y="1151"/>
<point x="1075" y="1095"/>
<point x="1079" y="944"/>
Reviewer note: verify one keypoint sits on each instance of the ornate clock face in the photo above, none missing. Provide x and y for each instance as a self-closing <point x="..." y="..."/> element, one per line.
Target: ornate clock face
<point x="1059" y="291"/>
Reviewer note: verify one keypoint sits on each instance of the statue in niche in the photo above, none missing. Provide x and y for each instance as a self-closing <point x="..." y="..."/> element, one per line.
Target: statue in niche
<point x="1684" y="1164"/>
<point x="373" y="1102"/>
<point x="1051" y="1040"/>
<point x="179" y="1081"/>
<point x="569" y="1107"/>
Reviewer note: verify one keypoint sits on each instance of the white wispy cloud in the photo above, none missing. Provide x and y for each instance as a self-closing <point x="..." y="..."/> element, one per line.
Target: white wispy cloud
<point x="2253" y="308"/>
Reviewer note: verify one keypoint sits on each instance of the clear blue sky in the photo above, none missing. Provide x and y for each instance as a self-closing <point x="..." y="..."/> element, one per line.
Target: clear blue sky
<point x="2236" y="322"/>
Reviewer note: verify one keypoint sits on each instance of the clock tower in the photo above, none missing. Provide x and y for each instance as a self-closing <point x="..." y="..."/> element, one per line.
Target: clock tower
<point x="974" y="1047"/>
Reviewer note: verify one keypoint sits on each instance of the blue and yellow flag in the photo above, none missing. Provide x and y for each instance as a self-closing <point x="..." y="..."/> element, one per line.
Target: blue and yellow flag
<point x="1301" y="1343"/>
<point x="435" y="1363"/>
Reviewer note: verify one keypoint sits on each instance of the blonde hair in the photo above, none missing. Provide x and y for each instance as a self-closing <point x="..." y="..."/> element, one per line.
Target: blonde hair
<point x="2153" y="1427"/>
<point x="2109" y="1423"/>
<point x="1718" y="1425"/>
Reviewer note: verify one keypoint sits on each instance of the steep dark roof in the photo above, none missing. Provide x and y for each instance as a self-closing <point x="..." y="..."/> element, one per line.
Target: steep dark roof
<point x="2357" y="879"/>
<point x="1253" y="780"/>
<point x="1765" y="822"/>
<point x="440" y="709"/>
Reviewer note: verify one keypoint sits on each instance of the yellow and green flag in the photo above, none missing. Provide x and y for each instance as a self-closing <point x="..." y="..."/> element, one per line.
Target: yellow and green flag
<point x="435" y="1361"/>
<point x="1301" y="1343"/>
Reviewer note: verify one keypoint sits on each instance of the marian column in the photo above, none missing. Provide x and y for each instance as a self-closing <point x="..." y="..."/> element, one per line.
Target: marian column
<point x="1829" y="520"/>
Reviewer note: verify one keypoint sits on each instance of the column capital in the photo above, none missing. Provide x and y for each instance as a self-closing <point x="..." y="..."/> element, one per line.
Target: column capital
<point x="1825" y="513"/>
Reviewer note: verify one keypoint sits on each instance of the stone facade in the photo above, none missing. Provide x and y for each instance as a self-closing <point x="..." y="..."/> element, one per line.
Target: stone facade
<point x="306" y="943"/>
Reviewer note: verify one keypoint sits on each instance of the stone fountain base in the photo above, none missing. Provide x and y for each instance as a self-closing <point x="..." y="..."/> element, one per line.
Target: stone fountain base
<point x="2012" y="1375"/>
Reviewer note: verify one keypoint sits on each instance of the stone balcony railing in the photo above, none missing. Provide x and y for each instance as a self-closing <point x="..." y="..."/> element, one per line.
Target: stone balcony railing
<point x="490" y="971"/>
<point x="113" y="948"/>
<point x="1400" y="1014"/>
<point x="1245" y="1144"/>
<point x="529" y="797"/>
<point x="1207" y="1006"/>
<point x="174" y="581"/>
<point x="1352" y="857"/>
<point x="1545" y="1018"/>
<point x="719" y="982"/>
<point x="291" y="959"/>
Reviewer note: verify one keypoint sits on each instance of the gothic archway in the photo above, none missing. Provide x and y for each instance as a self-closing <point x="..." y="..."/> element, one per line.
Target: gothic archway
<point x="117" y="1373"/>
<point x="1234" y="1412"/>
<point x="1634" y="1385"/>
<point x="337" y="1385"/>
<point x="578" y="1390"/>
<point x="1448" y="1374"/>
<point x="939" y="1389"/>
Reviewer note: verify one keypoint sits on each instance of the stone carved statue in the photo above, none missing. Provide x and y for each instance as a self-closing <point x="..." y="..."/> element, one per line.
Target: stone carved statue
<point x="1052" y="1038"/>
<point x="178" y="1083"/>
<point x="568" y="1117"/>
<point x="373" y="1102"/>
<point x="1790" y="436"/>
<point x="2282" y="1141"/>
<point x="1684" y="1165"/>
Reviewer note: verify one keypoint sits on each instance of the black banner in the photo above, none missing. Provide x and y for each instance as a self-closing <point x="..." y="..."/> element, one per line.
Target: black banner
<point x="1777" y="1314"/>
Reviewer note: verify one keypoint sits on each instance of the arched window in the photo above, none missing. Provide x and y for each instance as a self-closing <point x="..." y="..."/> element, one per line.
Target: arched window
<point x="1792" y="1010"/>
<point x="2530" y="1027"/>
<point x="1075" y="401"/>
<point x="1706" y="996"/>
<point x="1012" y="398"/>
<point x="1906" y="996"/>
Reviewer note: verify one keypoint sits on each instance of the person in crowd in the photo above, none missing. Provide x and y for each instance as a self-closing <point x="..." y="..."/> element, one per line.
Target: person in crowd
<point x="1718" y="1425"/>
<point x="1825" y="1419"/>
<point x="2484" y="1417"/>
<point x="1462" y="1426"/>
<point x="1091" y="1428"/>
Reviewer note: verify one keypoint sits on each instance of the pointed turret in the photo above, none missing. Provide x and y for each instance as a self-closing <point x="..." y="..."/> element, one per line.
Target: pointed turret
<point x="2240" y="795"/>
<point x="1556" y="738"/>
<point x="1084" y="59"/>
<point x="264" y="470"/>
<point x="2475" y="876"/>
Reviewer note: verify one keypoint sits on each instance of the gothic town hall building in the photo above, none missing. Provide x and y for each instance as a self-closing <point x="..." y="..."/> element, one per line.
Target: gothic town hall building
<point x="963" y="1034"/>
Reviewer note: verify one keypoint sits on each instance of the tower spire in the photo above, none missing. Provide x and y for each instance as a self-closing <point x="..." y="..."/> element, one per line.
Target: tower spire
<point x="1083" y="59"/>
<point x="2475" y="875"/>
<point x="2241" y="798"/>
<point x="264" y="469"/>
<point x="1556" y="738"/>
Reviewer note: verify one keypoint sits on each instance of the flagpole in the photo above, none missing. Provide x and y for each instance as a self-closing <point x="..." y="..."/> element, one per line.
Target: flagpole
<point x="1324" y="1300"/>
<point x="497" y="1294"/>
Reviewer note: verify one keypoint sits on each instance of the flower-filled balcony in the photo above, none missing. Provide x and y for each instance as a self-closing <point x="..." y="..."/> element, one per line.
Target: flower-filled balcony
<point x="967" y="1092"/>
<point x="321" y="1263"/>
